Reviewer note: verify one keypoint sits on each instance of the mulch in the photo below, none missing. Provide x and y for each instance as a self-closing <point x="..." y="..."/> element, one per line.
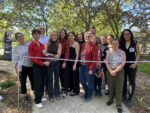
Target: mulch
<point x="10" y="102"/>
<point x="142" y="95"/>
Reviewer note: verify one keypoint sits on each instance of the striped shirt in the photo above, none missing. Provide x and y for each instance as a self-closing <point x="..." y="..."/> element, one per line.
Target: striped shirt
<point x="83" y="56"/>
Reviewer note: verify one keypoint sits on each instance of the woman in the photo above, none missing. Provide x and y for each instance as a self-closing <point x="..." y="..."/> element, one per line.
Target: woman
<point x="115" y="61"/>
<point x="89" y="52"/>
<point x="53" y="50"/>
<point x="23" y="64"/>
<point x="109" y="41"/>
<point x="73" y="69"/>
<point x="132" y="51"/>
<point x="98" y="71"/>
<point x="103" y="49"/>
<point x="64" y="77"/>
<point x="36" y="50"/>
<point x="80" y="38"/>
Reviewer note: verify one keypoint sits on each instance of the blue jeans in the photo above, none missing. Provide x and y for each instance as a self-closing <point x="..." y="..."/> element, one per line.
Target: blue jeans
<point x="86" y="80"/>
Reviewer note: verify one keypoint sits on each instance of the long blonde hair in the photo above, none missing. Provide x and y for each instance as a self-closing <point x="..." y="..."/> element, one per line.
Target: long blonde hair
<point x="50" y="40"/>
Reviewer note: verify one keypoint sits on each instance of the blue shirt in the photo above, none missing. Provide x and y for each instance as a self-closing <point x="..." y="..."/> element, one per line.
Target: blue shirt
<point x="43" y="40"/>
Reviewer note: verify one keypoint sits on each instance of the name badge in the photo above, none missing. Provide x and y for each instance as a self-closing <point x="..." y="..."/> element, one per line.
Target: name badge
<point x="132" y="49"/>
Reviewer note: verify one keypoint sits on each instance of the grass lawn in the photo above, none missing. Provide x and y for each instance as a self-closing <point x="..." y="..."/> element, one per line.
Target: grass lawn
<point x="144" y="67"/>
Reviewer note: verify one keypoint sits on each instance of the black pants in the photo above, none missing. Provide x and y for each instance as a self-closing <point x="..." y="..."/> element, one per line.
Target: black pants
<point x="129" y="74"/>
<point x="65" y="73"/>
<point x="46" y="78"/>
<point x="74" y="78"/>
<point x="26" y="71"/>
<point x="64" y="76"/>
<point x="53" y="79"/>
<point x="39" y="74"/>
<point x="97" y="84"/>
<point x="105" y="70"/>
<point x="61" y="75"/>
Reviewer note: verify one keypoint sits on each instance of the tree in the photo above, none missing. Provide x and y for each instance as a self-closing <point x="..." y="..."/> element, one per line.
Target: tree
<point x="138" y="15"/>
<point x="109" y="16"/>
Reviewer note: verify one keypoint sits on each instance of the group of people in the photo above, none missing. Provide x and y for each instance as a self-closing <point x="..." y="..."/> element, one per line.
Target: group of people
<point x="58" y="64"/>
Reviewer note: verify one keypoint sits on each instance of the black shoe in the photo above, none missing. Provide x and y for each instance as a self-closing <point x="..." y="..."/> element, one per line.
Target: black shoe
<point x="87" y="99"/>
<point x="73" y="94"/>
<point x="107" y="93"/>
<point x="129" y="102"/>
<point x="100" y="93"/>
<point x="124" y="98"/>
<point x="83" y="96"/>
<point x="63" y="95"/>
<point x="62" y="89"/>
<point x="110" y="102"/>
<point x="119" y="109"/>
<point x="96" y="93"/>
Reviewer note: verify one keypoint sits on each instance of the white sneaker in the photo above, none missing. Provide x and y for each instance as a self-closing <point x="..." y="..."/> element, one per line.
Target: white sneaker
<point x="39" y="105"/>
<point x="106" y="87"/>
<point x="44" y="99"/>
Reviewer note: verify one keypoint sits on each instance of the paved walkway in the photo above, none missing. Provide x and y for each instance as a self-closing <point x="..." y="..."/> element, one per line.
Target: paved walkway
<point x="76" y="105"/>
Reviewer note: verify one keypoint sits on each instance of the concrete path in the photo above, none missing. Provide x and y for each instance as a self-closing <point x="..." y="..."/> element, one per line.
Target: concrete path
<point x="77" y="105"/>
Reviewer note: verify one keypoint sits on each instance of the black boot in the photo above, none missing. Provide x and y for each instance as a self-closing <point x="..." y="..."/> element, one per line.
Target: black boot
<point x="119" y="108"/>
<point x="110" y="102"/>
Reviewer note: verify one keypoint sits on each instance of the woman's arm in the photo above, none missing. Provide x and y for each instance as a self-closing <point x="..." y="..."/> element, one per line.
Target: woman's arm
<point x="16" y="69"/>
<point x="77" y="49"/>
<point x="57" y="56"/>
<point x="15" y="58"/>
<point x="137" y="53"/>
<point x="106" y="62"/>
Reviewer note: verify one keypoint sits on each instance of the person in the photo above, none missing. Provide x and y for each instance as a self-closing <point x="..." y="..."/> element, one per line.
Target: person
<point x="109" y="46"/>
<point x="98" y="71"/>
<point x="131" y="48"/>
<point x="23" y="65"/>
<point x="103" y="48"/>
<point x="44" y="40"/>
<point x="36" y="49"/>
<point x="73" y="69"/>
<point x="53" y="50"/>
<point x="88" y="52"/>
<point x="109" y="40"/>
<point x="64" y="77"/>
<point x="80" y="38"/>
<point x="93" y="31"/>
<point x="115" y="61"/>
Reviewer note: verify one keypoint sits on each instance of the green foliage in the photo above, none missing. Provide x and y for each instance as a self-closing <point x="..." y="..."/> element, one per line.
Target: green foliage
<point x="7" y="84"/>
<point x="64" y="16"/>
<point x="141" y="100"/>
<point x="75" y="15"/>
<point x="144" y="67"/>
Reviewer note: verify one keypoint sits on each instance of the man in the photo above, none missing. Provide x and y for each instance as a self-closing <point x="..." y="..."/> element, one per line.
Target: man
<point x="44" y="39"/>
<point x="35" y="49"/>
<point x="93" y="31"/>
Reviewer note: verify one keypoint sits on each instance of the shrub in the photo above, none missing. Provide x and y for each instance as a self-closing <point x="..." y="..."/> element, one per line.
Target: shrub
<point x="7" y="84"/>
